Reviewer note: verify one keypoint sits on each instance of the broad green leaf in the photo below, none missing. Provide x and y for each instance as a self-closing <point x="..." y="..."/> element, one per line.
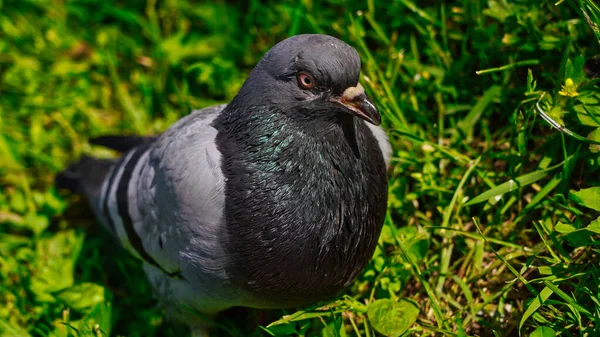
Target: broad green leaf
<point x="574" y="70"/>
<point x="101" y="314"/>
<point x="587" y="197"/>
<point x="414" y="241"/>
<point x="543" y="331"/>
<point x="588" y="115"/>
<point x="580" y="237"/>
<point x="81" y="296"/>
<point x="594" y="226"/>
<point x="392" y="318"/>
<point x="594" y="136"/>
<point x="564" y="228"/>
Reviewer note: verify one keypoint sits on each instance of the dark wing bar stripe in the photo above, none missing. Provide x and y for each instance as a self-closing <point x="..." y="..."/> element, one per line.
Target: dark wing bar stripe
<point x="106" y="195"/>
<point x="123" y="208"/>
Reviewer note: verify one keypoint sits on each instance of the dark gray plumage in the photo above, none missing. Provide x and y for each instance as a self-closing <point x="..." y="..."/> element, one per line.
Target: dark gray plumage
<point x="274" y="200"/>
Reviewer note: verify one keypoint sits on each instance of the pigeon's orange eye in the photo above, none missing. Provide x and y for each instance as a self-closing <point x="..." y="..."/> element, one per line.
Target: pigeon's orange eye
<point x="305" y="81"/>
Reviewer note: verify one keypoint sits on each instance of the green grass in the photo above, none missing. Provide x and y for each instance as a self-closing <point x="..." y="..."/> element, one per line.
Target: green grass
<point x="493" y="218"/>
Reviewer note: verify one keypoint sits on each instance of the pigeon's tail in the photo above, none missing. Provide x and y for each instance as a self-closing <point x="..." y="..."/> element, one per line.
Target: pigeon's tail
<point x="106" y="182"/>
<point x="121" y="143"/>
<point x="85" y="177"/>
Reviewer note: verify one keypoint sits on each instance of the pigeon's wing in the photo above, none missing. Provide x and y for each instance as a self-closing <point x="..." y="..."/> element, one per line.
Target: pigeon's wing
<point x="164" y="199"/>
<point x="383" y="141"/>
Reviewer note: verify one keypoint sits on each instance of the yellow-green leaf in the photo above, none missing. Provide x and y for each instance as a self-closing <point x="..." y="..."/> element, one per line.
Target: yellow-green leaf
<point x="543" y="331"/>
<point x="587" y="197"/>
<point x="392" y="318"/>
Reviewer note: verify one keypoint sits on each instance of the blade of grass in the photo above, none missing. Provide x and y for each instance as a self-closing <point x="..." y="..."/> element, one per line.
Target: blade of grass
<point x="591" y="13"/>
<point x="568" y="299"/>
<point x="513" y="184"/>
<point x="508" y="66"/>
<point x="537" y="303"/>
<point x="447" y="241"/>
<point x="468" y="123"/>
<point x="477" y="237"/>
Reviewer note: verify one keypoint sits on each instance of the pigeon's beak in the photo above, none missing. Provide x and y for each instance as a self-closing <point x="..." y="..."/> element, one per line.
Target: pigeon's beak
<point x="357" y="103"/>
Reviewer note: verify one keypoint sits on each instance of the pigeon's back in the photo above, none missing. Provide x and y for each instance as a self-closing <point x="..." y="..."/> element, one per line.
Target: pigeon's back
<point x="163" y="199"/>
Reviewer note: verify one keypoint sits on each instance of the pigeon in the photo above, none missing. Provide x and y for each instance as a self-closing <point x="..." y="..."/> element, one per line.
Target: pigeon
<point x="274" y="200"/>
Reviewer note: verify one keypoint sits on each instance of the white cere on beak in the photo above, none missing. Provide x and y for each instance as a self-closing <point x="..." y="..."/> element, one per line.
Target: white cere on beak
<point x="351" y="92"/>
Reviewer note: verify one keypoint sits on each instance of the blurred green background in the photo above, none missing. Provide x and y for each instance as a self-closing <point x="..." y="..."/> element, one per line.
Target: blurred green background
<point x="493" y="215"/>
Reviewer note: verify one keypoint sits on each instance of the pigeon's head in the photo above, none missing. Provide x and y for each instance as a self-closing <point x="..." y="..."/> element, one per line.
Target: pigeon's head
<point x="312" y="76"/>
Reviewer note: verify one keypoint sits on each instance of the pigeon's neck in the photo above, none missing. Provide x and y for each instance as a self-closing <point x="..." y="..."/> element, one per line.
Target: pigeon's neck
<point x="303" y="206"/>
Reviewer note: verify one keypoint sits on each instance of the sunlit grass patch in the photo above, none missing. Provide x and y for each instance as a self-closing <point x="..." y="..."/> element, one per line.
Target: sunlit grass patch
<point x="492" y="228"/>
